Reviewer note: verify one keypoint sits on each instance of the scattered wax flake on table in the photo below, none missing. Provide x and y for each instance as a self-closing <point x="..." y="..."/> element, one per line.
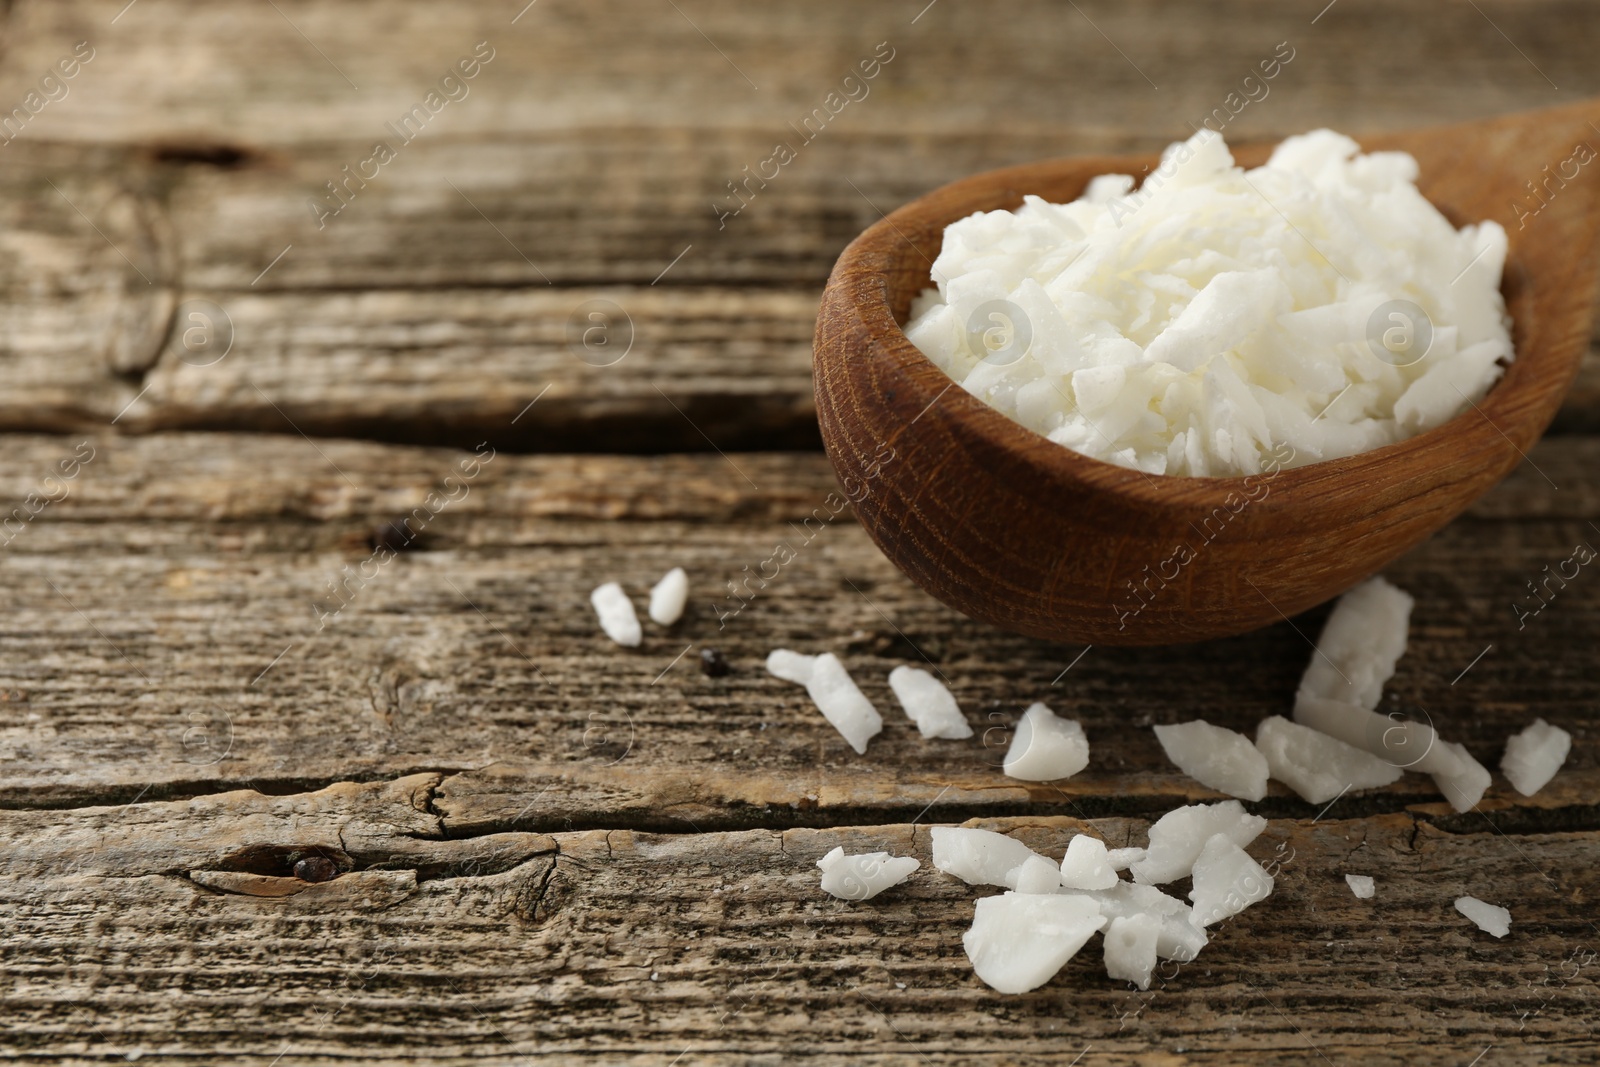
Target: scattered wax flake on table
<point x="1489" y="918"/>
<point x="1216" y="757"/>
<point x="669" y="596"/>
<point x="1226" y="881"/>
<point x="1130" y="948"/>
<point x="1361" y="643"/>
<point x="833" y="691"/>
<point x="1361" y="885"/>
<point x="1046" y="747"/>
<point x="979" y="857"/>
<point x="1087" y="864"/>
<point x="791" y="666"/>
<point x="1317" y="766"/>
<point x="1177" y="838"/>
<point x="1534" y="756"/>
<point x="1464" y="782"/>
<point x="1123" y="858"/>
<point x="863" y="876"/>
<point x="1018" y="941"/>
<point x="617" y="619"/>
<point x="1411" y="746"/>
<point x="1190" y="327"/>
<point x="1037" y="875"/>
<point x="929" y="704"/>
<point x="1180" y="937"/>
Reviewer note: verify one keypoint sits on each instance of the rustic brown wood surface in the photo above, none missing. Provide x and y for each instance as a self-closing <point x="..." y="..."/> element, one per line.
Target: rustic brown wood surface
<point x="554" y="848"/>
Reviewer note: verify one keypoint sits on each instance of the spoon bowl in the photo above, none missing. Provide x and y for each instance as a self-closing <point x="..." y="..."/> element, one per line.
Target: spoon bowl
<point x="1009" y="527"/>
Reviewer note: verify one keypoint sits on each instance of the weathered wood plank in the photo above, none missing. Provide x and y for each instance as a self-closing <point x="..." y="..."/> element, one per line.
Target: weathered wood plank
<point x="420" y="310"/>
<point x="495" y="765"/>
<point x="680" y="369"/>
<point x="174" y="628"/>
<point x="253" y="74"/>
<point x="264" y="484"/>
<point x="88" y="344"/>
<point x="636" y="948"/>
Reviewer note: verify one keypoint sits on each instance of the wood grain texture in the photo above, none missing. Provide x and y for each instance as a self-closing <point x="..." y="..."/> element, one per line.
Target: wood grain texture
<point x="618" y="946"/>
<point x="253" y="75"/>
<point x="151" y="604"/>
<point x="554" y="849"/>
<point x="1008" y="527"/>
<point x="363" y="333"/>
<point x="195" y="138"/>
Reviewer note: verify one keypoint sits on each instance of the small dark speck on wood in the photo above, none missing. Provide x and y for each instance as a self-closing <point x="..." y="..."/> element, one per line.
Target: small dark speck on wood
<point x="394" y="535"/>
<point x="316" y="869"/>
<point x="223" y="156"/>
<point x="713" y="663"/>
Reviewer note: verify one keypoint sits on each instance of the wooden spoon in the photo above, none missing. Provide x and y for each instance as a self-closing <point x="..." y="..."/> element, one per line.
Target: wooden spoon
<point x="1011" y="528"/>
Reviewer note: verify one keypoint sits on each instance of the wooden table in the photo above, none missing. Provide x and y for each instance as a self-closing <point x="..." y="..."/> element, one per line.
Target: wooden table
<point x="556" y="847"/>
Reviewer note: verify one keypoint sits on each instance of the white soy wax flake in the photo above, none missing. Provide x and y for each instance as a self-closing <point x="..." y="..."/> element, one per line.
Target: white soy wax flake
<point x="929" y="704"/>
<point x="1037" y="875"/>
<point x="617" y="619"/>
<point x="1534" y="756"/>
<point x="669" y="596"/>
<point x="1404" y="743"/>
<point x="842" y="704"/>
<point x="1489" y="918"/>
<point x="1317" y="766"/>
<point x="790" y="666"/>
<point x="833" y="691"/>
<point x="1131" y="948"/>
<point x="1018" y="941"/>
<point x="863" y="876"/>
<point x="1187" y="327"/>
<point x="1361" y="885"/>
<point x="1356" y="654"/>
<point x="1412" y="746"/>
<point x="1177" y="838"/>
<point x="1046" y="747"/>
<point x="1464" y="783"/>
<point x="979" y="857"/>
<point x="1123" y="858"/>
<point x="1226" y="881"/>
<point x="1087" y="864"/>
<point x="1361" y="642"/>
<point x="1180" y="938"/>
<point x="1216" y="757"/>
